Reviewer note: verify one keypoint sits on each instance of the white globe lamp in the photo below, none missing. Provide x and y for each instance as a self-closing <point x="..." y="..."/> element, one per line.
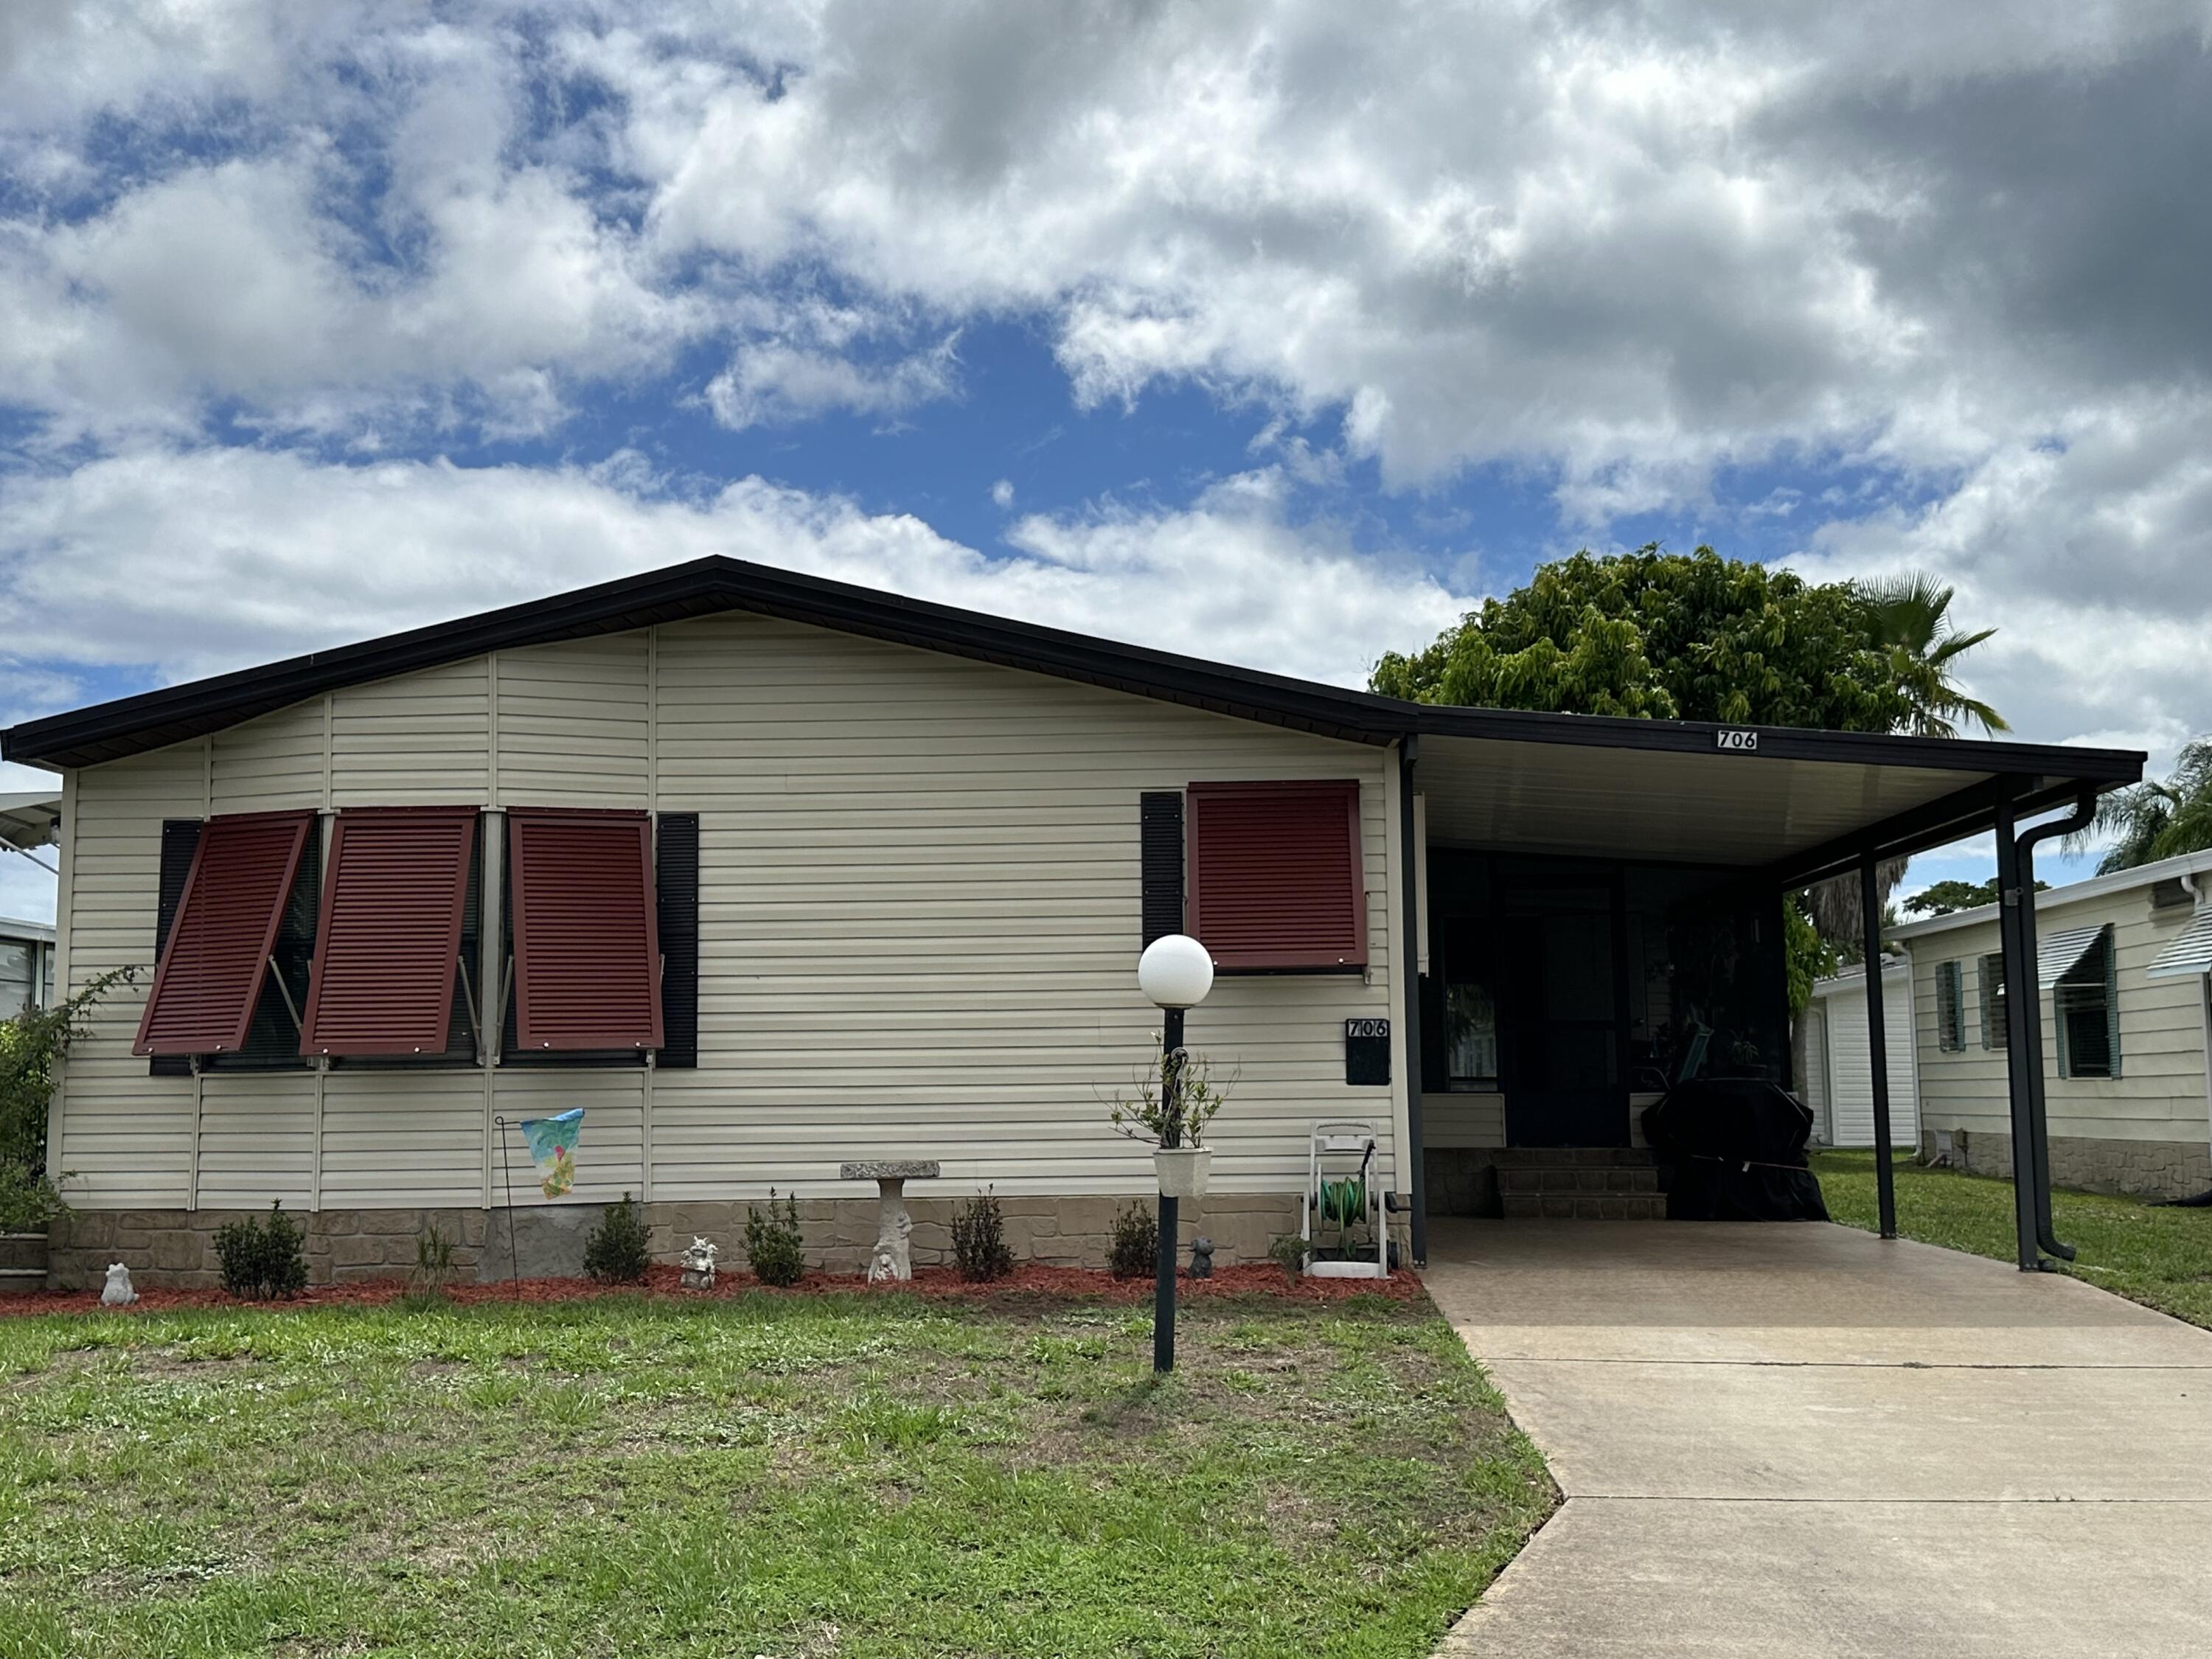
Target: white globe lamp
<point x="1175" y="971"/>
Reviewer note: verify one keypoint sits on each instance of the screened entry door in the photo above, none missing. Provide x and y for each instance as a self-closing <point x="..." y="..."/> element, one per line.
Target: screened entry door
<point x="1563" y="1083"/>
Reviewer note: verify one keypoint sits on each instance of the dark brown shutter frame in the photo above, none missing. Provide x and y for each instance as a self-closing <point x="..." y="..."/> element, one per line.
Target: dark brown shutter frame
<point x="1277" y="875"/>
<point x="676" y="887"/>
<point x="217" y="957"/>
<point x="1160" y="858"/>
<point x="586" y="938"/>
<point x="180" y="839"/>
<point x="389" y="931"/>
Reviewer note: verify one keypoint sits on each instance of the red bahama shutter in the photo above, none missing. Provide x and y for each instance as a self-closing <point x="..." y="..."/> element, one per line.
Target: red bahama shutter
<point x="586" y="947"/>
<point x="210" y="973"/>
<point x="1277" y="879"/>
<point x="388" y="938"/>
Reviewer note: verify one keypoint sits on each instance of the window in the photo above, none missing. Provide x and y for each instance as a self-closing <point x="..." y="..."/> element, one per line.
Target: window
<point x="390" y="975"/>
<point x="213" y="984"/>
<point x="586" y="951"/>
<point x="1471" y="1034"/>
<point x="1993" y="1001"/>
<point x="1276" y="875"/>
<point x="1950" y="1011"/>
<point x="2087" y="1002"/>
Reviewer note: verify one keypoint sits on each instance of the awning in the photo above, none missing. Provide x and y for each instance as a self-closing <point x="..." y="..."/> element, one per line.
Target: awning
<point x="210" y="973"/>
<point x="2188" y="953"/>
<point x="586" y="941"/>
<point x="29" y="820"/>
<point x="389" y="936"/>
<point x="2058" y="952"/>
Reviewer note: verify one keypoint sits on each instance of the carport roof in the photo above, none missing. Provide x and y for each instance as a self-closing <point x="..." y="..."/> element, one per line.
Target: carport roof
<point x="1789" y="801"/>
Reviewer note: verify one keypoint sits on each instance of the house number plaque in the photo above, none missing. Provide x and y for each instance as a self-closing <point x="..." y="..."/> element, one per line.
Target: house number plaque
<point x="1367" y="1051"/>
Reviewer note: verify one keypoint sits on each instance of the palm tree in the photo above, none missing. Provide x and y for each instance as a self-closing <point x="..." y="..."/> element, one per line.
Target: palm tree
<point x="2156" y="820"/>
<point x="1913" y="622"/>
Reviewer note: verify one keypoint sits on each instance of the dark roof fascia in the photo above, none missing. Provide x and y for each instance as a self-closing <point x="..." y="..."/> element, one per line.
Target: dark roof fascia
<point x="1782" y="743"/>
<point x="152" y="720"/>
<point x="133" y="725"/>
<point x="1968" y="811"/>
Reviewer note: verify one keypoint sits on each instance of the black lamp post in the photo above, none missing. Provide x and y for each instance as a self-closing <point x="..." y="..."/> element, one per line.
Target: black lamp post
<point x="1175" y="973"/>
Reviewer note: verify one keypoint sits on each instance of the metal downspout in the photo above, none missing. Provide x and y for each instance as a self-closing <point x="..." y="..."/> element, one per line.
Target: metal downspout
<point x="1885" y="1177"/>
<point x="2084" y="813"/>
<point x="1409" y="976"/>
<point x="2018" y="1057"/>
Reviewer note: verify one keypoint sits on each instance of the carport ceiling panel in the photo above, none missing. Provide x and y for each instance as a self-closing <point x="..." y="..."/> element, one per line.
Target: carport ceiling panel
<point x="1743" y="809"/>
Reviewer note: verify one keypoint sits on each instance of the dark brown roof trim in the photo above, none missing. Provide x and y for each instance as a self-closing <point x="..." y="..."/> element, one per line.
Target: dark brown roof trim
<point x="130" y="726"/>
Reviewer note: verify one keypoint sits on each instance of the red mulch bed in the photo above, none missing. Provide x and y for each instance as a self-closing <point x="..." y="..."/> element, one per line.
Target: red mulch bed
<point x="1031" y="1283"/>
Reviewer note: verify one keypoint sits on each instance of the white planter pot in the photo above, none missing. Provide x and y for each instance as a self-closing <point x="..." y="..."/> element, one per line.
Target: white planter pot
<point x="1182" y="1170"/>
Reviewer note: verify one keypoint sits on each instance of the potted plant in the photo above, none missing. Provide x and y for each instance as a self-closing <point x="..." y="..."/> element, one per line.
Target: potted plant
<point x="1171" y="1103"/>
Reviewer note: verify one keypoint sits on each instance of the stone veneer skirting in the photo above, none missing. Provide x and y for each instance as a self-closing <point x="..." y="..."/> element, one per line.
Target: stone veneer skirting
<point x="2138" y="1168"/>
<point x="176" y="1246"/>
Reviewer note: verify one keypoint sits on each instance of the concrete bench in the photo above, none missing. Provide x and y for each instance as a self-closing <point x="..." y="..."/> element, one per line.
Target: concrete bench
<point x="893" y="1259"/>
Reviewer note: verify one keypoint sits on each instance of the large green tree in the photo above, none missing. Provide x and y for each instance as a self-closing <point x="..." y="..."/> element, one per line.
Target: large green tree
<point x="1687" y="636"/>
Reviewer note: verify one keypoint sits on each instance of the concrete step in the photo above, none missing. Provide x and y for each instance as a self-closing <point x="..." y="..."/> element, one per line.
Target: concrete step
<point x="15" y="1280"/>
<point x="1585" y="1206"/>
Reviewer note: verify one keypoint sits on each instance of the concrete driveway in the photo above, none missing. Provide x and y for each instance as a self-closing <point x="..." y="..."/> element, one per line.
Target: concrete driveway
<point x="1797" y="1439"/>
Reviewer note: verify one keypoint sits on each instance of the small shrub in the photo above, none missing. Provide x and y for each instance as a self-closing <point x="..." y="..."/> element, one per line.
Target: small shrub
<point x="433" y="1267"/>
<point x="1288" y="1251"/>
<point x="774" y="1248"/>
<point x="261" y="1259"/>
<point x="618" y="1252"/>
<point x="979" y="1240"/>
<point x="1133" y="1249"/>
<point x="27" y="1200"/>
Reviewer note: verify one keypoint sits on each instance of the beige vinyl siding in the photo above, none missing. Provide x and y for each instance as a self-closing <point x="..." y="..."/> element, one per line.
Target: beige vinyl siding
<point x="2159" y="1094"/>
<point x="417" y="739"/>
<point x="126" y="1140"/>
<point x="1462" y="1120"/>
<point x="573" y="723"/>
<point x="918" y="916"/>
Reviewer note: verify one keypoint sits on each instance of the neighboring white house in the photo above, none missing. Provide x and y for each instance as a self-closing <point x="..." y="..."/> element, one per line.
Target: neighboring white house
<point x="1838" y="1077"/>
<point x="26" y="966"/>
<point x="2122" y="961"/>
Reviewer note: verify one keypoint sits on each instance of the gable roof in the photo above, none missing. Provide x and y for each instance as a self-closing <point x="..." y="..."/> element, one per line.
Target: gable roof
<point x="153" y="719"/>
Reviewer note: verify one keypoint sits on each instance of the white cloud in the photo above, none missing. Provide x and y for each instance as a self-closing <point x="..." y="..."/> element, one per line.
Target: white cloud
<point x="1617" y="251"/>
<point x="196" y="562"/>
<point x="1002" y="493"/>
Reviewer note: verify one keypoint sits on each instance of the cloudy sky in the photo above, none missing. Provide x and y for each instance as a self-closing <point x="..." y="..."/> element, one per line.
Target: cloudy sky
<point x="1280" y="333"/>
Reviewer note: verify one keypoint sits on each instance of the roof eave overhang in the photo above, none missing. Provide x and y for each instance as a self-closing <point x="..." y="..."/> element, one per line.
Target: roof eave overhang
<point x="153" y="719"/>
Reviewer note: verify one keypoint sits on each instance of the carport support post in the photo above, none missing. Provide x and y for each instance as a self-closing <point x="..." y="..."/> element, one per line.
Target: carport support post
<point x="1408" y="972"/>
<point x="2020" y="995"/>
<point x="1885" y="1177"/>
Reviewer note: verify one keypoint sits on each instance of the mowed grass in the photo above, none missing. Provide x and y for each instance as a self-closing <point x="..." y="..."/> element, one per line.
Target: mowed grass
<point x="804" y="1476"/>
<point x="2158" y="1256"/>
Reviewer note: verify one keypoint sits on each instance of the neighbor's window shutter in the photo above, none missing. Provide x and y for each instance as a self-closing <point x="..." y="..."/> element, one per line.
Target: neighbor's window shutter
<point x="586" y="945"/>
<point x="391" y="925"/>
<point x="1277" y="877"/>
<point x="675" y="883"/>
<point x="216" y="955"/>
<point x="1160" y="837"/>
<point x="180" y="839"/>
<point x="1993" y="991"/>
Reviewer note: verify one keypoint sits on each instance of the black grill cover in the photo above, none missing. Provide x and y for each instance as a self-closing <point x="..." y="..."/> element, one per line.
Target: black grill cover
<point x="1737" y="1145"/>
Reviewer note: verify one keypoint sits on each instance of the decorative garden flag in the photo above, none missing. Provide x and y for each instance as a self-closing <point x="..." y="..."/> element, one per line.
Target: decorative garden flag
<point x="552" y="1142"/>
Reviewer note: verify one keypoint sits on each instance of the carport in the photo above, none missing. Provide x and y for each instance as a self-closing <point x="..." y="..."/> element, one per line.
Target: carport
<point x="1566" y="842"/>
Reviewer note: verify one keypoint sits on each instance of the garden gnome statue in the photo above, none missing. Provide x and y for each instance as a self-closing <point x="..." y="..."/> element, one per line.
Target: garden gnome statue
<point x="117" y="1293"/>
<point x="699" y="1264"/>
<point x="1202" y="1258"/>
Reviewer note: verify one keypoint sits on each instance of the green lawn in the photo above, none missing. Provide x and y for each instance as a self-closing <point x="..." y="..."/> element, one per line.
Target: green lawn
<point x="2159" y="1257"/>
<point x="805" y="1476"/>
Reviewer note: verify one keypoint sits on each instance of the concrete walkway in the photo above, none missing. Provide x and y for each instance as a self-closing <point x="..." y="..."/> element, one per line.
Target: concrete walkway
<point x="1799" y="1440"/>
